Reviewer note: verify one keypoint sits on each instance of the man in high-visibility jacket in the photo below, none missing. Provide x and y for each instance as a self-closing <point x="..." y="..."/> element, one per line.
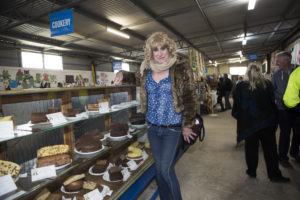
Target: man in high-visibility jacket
<point x="291" y="99"/>
<point x="291" y="96"/>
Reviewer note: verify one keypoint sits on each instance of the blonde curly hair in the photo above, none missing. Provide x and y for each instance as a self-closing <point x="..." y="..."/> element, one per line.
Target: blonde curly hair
<point x="159" y="39"/>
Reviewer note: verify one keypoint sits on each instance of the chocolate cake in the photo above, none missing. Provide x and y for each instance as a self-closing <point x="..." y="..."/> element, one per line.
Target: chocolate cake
<point x="115" y="174"/>
<point x="100" y="166"/>
<point x="137" y="119"/>
<point x="87" y="143"/>
<point x="53" y="110"/>
<point x="38" y="117"/>
<point x="57" y="160"/>
<point x="71" y="112"/>
<point x="118" y="129"/>
<point x="95" y="133"/>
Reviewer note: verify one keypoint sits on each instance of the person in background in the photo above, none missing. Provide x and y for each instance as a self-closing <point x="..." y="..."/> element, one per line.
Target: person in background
<point x="255" y="110"/>
<point x="221" y="94"/>
<point x="227" y="88"/>
<point x="291" y="99"/>
<point x="168" y="99"/>
<point x="240" y="79"/>
<point x="286" y="119"/>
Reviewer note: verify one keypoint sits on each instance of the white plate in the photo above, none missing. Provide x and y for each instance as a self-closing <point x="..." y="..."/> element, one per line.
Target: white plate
<point x="104" y="138"/>
<point x="117" y="138"/>
<point x="141" y="158"/>
<point x="73" y="118"/>
<point x="138" y="126"/>
<point x="94" y="174"/>
<point x="88" y="153"/>
<point x="62" y="189"/>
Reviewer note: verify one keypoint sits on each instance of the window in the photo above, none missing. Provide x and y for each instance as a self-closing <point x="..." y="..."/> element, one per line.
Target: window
<point x="41" y="61"/>
<point x="53" y="62"/>
<point x="32" y="60"/>
<point x="238" y="70"/>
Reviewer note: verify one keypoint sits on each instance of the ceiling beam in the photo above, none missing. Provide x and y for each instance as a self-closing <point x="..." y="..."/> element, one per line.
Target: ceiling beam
<point x="209" y="25"/>
<point x="241" y="28"/>
<point x="178" y="12"/>
<point x="139" y="5"/>
<point x="52" y="42"/>
<point x="15" y="6"/>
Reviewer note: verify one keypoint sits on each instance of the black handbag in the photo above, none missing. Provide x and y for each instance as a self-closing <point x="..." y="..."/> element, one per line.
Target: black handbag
<point x="199" y="129"/>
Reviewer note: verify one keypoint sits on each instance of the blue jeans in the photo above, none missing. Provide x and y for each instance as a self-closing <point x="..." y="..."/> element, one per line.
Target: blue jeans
<point x="164" y="143"/>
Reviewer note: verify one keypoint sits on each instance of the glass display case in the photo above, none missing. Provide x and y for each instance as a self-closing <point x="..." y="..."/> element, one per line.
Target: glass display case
<point x="81" y="163"/>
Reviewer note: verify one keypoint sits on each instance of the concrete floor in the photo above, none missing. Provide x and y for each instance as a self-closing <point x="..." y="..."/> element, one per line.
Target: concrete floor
<point x="215" y="169"/>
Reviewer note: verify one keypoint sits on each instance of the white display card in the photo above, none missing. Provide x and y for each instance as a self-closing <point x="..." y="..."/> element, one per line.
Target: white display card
<point x="7" y="184"/>
<point x="7" y="129"/>
<point x="144" y="155"/>
<point x="56" y="118"/>
<point x="106" y="191"/>
<point x="43" y="173"/>
<point x="126" y="174"/>
<point x="132" y="165"/>
<point x="93" y="195"/>
<point x="103" y="107"/>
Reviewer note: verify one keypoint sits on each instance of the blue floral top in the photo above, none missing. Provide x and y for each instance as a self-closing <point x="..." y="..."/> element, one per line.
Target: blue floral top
<point x="160" y="102"/>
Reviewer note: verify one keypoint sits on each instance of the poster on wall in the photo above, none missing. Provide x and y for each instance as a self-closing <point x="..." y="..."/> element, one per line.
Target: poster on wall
<point x="105" y="78"/>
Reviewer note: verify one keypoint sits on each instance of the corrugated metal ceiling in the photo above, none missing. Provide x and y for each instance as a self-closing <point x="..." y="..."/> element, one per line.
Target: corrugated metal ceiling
<point x="214" y="27"/>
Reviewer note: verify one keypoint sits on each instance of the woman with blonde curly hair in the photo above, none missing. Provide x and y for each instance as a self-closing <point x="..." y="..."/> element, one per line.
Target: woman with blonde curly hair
<point x="168" y="99"/>
<point x="256" y="113"/>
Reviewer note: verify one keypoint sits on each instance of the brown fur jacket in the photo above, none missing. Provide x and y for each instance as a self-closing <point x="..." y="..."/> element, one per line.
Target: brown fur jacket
<point x="183" y="90"/>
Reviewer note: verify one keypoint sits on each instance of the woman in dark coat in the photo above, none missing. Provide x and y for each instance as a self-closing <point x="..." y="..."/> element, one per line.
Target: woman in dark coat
<point x="255" y="110"/>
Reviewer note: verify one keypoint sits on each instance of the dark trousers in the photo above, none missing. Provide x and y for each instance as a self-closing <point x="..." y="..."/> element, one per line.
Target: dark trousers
<point x="268" y="141"/>
<point x="219" y="100"/>
<point x="288" y="121"/>
<point x="164" y="143"/>
<point x="227" y="102"/>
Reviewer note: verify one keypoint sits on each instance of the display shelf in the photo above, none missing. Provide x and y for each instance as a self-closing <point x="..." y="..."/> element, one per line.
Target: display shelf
<point x="30" y="189"/>
<point x="27" y="189"/>
<point x="44" y="127"/>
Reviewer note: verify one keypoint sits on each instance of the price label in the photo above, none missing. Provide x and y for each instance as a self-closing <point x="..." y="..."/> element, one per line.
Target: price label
<point x="7" y="129"/>
<point x="7" y="184"/>
<point x="103" y="107"/>
<point x="106" y="191"/>
<point x="93" y="195"/>
<point x="132" y="165"/>
<point x="56" y="118"/>
<point x="125" y="173"/>
<point x="144" y="155"/>
<point x="43" y="173"/>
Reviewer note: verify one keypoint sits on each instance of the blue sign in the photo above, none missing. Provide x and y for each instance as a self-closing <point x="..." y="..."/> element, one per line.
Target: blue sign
<point x="205" y="70"/>
<point x="117" y="65"/>
<point x="61" y="23"/>
<point x="252" y="56"/>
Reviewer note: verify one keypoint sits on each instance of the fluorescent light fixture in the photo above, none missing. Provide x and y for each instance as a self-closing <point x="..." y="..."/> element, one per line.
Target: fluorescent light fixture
<point x="251" y="4"/>
<point x="119" y="33"/>
<point x="244" y="41"/>
<point x="210" y="61"/>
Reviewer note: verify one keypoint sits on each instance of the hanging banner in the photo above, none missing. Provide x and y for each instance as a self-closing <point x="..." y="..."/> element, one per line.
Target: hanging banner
<point x="61" y="23"/>
<point x="117" y="65"/>
<point x="252" y="56"/>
